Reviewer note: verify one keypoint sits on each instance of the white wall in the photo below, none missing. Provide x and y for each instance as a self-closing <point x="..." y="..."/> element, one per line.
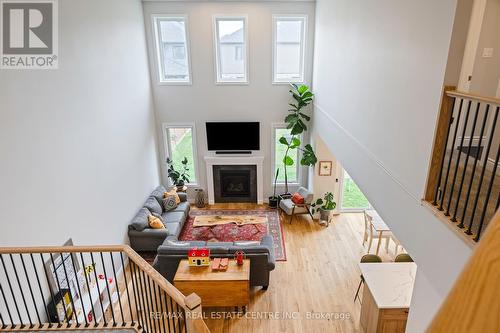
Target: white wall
<point x="379" y="68"/>
<point x="204" y="100"/>
<point x="77" y="144"/>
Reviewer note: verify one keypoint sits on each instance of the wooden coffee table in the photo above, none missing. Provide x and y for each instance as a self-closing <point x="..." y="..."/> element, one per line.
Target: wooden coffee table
<point x="216" y="288"/>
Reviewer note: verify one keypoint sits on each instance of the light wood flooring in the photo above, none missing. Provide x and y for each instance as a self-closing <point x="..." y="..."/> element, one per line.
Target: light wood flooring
<point x="319" y="278"/>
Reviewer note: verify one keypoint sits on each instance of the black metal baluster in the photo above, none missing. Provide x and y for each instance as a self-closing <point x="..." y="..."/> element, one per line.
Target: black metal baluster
<point x="6" y="305"/>
<point x="135" y="288"/>
<point x="486" y="202"/>
<point x="40" y="289"/>
<point x="498" y="202"/>
<point x="2" y="323"/>
<point x="79" y="290"/>
<point x="140" y="294"/>
<point x="447" y="213"/>
<point x="50" y="289"/>
<point x="69" y="288"/>
<point x="155" y="321"/>
<point x="12" y="293"/>
<point x="144" y="299"/>
<point x="88" y="288"/>
<point x="466" y="164"/>
<point x="117" y="286"/>
<point x="98" y="289"/>
<point x="107" y="289"/>
<point x="21" y="289"/>
<point x="126" y="288"/>
<point x="451" y="155"/>
<point x="467" y="197"/>
<point x="59" y="284"/>
<point x="30" y="289"/>
<point x="450" y="121"/>
<point x="481" y="178"/>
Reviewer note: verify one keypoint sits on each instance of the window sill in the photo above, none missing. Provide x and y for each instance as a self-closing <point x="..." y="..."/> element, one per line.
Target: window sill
<point x="235" y="83"/>
<point x="278" y="83"/>
<point x="173" y="83"/>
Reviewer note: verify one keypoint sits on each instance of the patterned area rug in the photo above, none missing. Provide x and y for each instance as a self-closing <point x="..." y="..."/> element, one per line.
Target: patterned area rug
<point x="232" y="232"/>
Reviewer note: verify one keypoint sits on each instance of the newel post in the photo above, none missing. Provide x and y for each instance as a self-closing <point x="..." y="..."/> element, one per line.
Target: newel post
<point x="194" y="315"/>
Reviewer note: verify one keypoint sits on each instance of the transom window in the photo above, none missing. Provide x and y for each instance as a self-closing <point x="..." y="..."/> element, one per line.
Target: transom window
<point x="172" y="48"/>
<point x="288" y="50"/>
<point x="279" y="154"/>
<point x="231" y="49"/>
<point x="180" y="143"/>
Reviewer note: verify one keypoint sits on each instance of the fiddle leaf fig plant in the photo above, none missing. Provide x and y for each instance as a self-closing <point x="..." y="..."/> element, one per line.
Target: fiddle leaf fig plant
<point x="296" y="122"/>
<point x="178" y="177"/>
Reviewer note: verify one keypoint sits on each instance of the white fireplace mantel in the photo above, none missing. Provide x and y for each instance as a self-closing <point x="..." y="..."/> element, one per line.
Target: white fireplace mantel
<point x="258" y="161"/>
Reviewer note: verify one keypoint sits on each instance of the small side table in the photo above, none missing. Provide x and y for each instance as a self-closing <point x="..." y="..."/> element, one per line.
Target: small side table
<point x="216" y="288"/>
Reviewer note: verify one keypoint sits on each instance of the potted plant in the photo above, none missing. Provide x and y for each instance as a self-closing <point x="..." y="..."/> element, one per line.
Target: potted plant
<point x="178" y="177"/>
<point x="295" y="122"/>
<point x="273" y="201"/>
<point x="325" y="206"/>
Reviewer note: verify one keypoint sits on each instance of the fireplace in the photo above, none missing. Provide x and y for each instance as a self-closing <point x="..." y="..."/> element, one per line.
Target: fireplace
<point x="235" y="183"/>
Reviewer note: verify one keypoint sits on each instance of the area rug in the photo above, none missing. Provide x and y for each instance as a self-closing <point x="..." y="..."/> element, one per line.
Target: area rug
<point x="232" y="232"/>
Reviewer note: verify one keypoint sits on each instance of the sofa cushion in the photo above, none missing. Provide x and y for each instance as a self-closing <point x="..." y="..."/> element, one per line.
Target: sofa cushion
<point x="153" y="205"/>
<point x="140" y="220"/>
<point x="174" y="228"/>
<point x="149" y="233"/>
<point x="173" y="216"/>
<point x="182" y="207"/>
<point x="158" y="193"/>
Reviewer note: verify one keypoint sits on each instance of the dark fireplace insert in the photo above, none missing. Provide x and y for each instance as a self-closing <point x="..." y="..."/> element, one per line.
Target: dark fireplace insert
<point x="235" y="183"/>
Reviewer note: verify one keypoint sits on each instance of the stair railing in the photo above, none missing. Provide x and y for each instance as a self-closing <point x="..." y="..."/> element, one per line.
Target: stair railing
<point x="90" y="287"/>
<point x="463" y="186"/>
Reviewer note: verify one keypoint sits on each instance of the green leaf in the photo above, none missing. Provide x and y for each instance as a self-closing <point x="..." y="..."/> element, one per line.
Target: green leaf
<point x="291" y="118"/>
<point x="295" y="142"/>
<point x="287" y="160"/>
<point x="308" y="156"/>
<point x="305" y="116"/>
<point x="297" y="129"/>
<point x="185" y="161"/>
<point x="302" y="89"/>
<point x="283" y="141"/>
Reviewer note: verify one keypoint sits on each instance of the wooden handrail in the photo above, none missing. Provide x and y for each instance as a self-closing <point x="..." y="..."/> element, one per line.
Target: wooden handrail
<point x="474" y="302"/>
<point x="475" y="97"/>
<point x="62" y="249"/>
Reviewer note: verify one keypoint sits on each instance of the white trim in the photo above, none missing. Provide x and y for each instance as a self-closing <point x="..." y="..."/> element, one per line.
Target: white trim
<point x="167" y="148"/>
<point x="274" y="127"/>
<point x="303" y="44"/>
<point x="258" y="161"/>
<point x="216" y="46"/>
<point x="155" y="18"/>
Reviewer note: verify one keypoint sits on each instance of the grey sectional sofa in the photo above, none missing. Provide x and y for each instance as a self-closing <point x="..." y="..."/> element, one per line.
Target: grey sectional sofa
<point x="143" y="238"/>
<point x="261" y="256"/>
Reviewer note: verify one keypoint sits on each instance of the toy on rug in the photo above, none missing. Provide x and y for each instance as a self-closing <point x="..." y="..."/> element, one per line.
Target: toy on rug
<point x="199" y="257"/>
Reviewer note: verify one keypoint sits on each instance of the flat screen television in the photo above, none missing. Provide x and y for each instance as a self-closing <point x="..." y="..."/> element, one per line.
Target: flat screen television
<point x="233" y="136"/>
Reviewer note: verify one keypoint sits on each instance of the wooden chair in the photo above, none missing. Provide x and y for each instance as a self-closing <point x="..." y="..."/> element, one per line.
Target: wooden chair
<point x="290" y="208"/>
<point x="370" y="234"/>
<point x="367" y="258"/>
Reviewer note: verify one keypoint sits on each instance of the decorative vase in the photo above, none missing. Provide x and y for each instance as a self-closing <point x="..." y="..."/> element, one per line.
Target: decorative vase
<point x="273" y="202"/>
<point x="325" y="215"/>
<point x="200" y="198"/>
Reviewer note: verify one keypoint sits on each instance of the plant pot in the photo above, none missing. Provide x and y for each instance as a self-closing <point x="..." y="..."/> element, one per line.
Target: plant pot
<point x="325" y="214"/>
<point x="273" y="202"/>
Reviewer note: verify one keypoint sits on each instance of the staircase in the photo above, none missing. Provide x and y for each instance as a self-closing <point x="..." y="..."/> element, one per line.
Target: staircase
<point x="90" y="288"/>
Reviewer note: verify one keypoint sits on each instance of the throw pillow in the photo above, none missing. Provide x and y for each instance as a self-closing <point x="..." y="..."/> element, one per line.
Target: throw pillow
<point x="174" y="193"/>
<point x="297" y="199"/>
<point x="153" y="205"/>
<point x="155" y="222"/>
<point x="169" y="203"/>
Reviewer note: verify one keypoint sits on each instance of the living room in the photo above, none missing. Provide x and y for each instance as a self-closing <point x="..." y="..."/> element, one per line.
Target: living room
<point x="270" y="133"/>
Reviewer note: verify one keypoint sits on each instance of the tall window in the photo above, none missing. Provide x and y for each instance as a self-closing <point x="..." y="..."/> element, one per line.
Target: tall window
<point x="231" y="49"/>
<point x="289" y="39"/>
<point x="279" y="154"/>
<point x="172" y="48"/>
<point x="352" y="197"/>
<point x="180" y="143"/>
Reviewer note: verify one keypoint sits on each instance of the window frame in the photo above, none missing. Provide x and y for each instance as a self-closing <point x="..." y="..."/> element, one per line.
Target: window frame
<point x="156" y="18"/>
<point x="290" y="17"/>
<point x="168" y="148"/>
<point x="216" y="45"/>
<point x="274" y="141"/>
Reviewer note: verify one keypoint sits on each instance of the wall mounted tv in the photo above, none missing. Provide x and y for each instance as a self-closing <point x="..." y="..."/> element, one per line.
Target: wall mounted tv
<point x="233" y="136"/>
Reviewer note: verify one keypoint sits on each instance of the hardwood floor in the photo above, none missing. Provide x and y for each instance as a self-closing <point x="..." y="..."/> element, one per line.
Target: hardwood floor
<point x="314" y="288"/>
